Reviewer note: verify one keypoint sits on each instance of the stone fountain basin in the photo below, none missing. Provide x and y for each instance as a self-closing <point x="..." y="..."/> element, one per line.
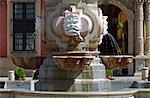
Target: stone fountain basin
<point x="28" y="62"/>
<point x="74" y="60"/>
<point x="114" y="61"/>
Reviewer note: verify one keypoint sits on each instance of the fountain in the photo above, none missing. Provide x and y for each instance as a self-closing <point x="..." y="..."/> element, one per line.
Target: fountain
<point x="73" y="68"/>
<point x="73" y="62"/>
<point x="110" y="52"/>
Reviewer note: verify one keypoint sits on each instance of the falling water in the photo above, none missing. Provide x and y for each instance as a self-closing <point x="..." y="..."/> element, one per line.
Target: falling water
<point x="109" y="46"/>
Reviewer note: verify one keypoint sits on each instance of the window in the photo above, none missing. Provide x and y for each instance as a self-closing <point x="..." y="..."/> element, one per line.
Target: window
<point x="23" y="26"/>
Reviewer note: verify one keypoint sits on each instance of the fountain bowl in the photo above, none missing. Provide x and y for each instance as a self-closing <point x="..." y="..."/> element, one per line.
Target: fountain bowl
<point x="28" y="62"/>
<point x="74" y="60"/>
<point x="114" y="61"/>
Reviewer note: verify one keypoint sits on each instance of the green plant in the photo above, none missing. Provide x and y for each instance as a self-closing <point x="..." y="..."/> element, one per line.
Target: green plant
<point x="109" y="72"/>
<point x="120" y="25"/>
<point x="19" y="73"/>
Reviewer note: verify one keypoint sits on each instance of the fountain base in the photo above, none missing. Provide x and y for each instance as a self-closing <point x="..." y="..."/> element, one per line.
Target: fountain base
<point x="53" y="78"/>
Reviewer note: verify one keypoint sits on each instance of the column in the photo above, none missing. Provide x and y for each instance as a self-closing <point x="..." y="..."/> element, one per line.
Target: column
<point x="147" y="20"/>
<point x="139" y="19"/>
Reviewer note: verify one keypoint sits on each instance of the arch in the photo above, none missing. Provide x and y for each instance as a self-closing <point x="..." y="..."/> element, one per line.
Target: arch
<point x="130" y="18"/>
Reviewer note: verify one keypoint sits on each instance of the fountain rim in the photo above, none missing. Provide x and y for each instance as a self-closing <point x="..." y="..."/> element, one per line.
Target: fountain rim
<point x="116" y="56"/>
<point x="72" y="57"/>
<point x="28" y="56"/>
<point x="125" y="92"/>
<point x="76" y="52"/>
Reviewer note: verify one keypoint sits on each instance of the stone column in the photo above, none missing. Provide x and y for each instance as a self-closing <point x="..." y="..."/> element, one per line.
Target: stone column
<point x="147" y="20"/>
<point x="139" y="19"/>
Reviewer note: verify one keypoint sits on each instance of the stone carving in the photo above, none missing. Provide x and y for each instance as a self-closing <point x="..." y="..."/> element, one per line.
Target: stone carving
<point x="116" y="61"/>
<point x="140" y="1"/>
<point x="140" y="11"/>
<point x="73" y="62"/>
<point x="72" y="24"/>
<point x="70" y="27"/>
<point x="105" y="27"/>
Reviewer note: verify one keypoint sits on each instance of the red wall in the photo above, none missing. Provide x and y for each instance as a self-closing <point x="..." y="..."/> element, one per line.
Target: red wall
<point x="3" y="29"/>
<point x="43" y="44"/>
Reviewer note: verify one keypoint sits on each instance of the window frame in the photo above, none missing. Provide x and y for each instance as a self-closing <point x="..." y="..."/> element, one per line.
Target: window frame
<point x="10" y="50"/>
<point x="23" y="20"/>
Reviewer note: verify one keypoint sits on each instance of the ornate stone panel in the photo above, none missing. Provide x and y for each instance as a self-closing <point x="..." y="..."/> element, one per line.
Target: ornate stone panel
<point x="91" y="26"/>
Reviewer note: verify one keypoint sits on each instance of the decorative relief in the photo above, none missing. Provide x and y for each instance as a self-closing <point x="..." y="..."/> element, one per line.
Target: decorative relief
<point x="140" y="1"/>
<point x="69" y="26"/>
<point x="147" y="11"/>
<point x="116" y="61"/>
<point x="128" y="3"/>
<point x="140" y="11"/>
<point x="141" y="45"/>
<point x="72" y="24"/>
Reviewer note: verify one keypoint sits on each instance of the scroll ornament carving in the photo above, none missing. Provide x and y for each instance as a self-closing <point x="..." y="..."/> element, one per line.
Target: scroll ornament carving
<point x="140" y="11"/>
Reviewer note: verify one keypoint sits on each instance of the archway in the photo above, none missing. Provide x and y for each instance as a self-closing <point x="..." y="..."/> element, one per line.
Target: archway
<point x="120" y="10"/>
<point x="117" y="26"/>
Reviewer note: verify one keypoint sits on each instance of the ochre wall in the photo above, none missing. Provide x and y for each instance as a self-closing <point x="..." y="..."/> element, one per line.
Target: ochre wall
<point x="3" y="29"/>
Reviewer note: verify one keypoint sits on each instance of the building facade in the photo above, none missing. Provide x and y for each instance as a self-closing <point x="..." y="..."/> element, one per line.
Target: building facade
<point x="23" y="28"/>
